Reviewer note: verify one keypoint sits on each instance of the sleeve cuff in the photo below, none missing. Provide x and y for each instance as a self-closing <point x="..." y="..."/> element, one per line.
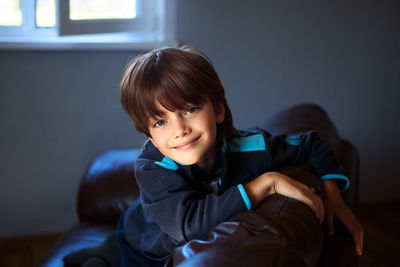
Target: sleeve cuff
<point x="343" y="185"/>
<point x="246" y="199"/>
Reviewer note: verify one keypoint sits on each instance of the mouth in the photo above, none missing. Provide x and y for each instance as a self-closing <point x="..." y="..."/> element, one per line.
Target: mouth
<point x="187" y="145"/>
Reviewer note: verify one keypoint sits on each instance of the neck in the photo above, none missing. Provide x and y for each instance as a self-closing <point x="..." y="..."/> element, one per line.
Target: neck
<point x="209" y="163"/>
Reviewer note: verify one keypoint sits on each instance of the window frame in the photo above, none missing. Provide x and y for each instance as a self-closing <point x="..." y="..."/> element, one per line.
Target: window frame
<point x="159" y="31"/>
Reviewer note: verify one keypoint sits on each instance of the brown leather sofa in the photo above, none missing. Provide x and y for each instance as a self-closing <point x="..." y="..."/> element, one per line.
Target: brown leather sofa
<point x="279" y="232"/>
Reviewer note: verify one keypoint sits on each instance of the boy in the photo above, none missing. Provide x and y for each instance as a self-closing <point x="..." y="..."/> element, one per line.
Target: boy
<point x="197" y="170"/>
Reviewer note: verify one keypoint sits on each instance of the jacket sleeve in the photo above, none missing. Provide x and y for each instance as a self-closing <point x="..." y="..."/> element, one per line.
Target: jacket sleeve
<point x="178" y="208"/>
<point x="283" y="150"/>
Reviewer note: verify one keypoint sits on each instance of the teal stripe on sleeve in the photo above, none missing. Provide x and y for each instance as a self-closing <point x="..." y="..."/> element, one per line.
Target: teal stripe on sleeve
<point x="244" y="196"/>
<point x="248" y="143"/>
<point x="167" y="163"/>
<point x="338" y="176"/>
<point x="293" y="140"/>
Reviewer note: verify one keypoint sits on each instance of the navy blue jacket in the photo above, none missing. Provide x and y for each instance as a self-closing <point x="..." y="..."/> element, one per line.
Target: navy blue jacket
<point x="179" y="203"/>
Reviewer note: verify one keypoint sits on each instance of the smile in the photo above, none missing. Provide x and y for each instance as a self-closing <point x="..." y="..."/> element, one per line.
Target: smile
<point x="187" y="145"/>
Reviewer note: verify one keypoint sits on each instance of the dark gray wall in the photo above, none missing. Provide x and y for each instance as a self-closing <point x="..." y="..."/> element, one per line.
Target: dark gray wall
<point x="60" y="108"/>
<point x="57" y="111"/>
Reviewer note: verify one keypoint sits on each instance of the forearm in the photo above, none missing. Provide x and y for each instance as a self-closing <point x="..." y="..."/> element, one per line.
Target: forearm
<point x="185" y="215"/>
<point x="306" y="148"/>
<point x="337" y="208"/>
<point x="331" y="190"/>
<point x="260" y="188"/>
<point x="274" y="182"/>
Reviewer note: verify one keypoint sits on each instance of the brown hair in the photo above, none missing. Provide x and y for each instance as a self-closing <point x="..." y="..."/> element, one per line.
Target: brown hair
<point x="172" y="77"/>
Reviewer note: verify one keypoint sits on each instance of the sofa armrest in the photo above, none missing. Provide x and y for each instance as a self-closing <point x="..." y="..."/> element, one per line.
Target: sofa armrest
<point x="280" y="231"/>
<point x="303" y="118"/>
<point x="109" y="186"/>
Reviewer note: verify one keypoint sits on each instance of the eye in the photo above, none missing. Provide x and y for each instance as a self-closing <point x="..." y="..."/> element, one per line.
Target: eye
<point x="159" y="123"/>
<point x="192" y="110"/>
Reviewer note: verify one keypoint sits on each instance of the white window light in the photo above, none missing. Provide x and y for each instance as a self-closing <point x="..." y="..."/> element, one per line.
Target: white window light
<point x="62" y="24"/>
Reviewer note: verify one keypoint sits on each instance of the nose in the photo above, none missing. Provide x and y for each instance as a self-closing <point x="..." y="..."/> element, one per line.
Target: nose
<point x="181" y="128"/>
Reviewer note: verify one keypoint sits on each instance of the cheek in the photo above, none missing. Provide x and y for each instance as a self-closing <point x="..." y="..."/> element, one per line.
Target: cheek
<point x="157" y="139"/>
<point x="212" y="129"/>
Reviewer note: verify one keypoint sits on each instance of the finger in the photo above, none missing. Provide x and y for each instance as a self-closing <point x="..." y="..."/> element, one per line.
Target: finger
<point x="317" y="212"/>
<point x="321" y="204"/>
<point x="318" y="206"/>
<point x="305" y="195"/>
<point x="359" y="239"/>
<point x="361" y="243"/>
<point x="309" y="201"/>
<point x="318" y="203"/>
<point x="329" y="223"/>
<point x="354" y="227"/>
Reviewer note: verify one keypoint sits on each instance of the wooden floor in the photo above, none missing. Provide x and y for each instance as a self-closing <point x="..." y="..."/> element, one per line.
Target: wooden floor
<point x="382" y="234"/>
<point x="381" y="224"/>
<point x="26" y="250"/>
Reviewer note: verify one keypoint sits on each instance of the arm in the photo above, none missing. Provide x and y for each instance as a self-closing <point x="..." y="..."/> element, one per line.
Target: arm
<point x="305" y="148"/>
<point x="310" y="148"/>
<point x="177" y="206"/>
<point x="274" y="182"/>
<point x="336" y="207"/>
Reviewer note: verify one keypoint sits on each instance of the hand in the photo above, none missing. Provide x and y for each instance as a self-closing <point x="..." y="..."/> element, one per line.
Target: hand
<point x="336" y="207"/>
<point x="289" y="187"/>
<point x="274" y="182"/>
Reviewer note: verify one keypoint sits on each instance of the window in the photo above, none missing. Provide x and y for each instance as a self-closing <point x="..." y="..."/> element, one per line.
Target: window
<point x="102" y="24"/>
<point x="10" y="13"/>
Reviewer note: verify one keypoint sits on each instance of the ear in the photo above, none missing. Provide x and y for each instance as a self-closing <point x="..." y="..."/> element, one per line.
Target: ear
<point x="220" y="113"/>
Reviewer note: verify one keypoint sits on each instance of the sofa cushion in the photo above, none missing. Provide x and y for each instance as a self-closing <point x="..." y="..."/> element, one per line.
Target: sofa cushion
<point x="83" y="235"/>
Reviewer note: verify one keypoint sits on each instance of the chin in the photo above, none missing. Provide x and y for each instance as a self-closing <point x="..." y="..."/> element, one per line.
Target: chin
<point x="187" y="162"/>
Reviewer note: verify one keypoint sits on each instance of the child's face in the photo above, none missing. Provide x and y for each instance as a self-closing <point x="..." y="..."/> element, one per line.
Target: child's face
<point x="188" y="136"/>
